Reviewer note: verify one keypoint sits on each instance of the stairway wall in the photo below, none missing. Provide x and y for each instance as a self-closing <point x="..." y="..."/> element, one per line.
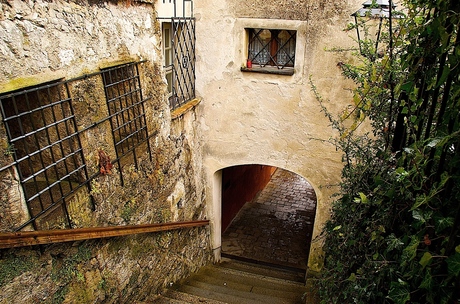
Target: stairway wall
<point x="41" y="41"/>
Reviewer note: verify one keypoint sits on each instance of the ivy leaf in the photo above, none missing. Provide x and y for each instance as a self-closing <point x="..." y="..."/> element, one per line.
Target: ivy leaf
<point x="453" y="264"/>
<point x="427" y="282"/>
<point x="421" y="216"/>
<point x="433" y="142"/>
<point x="407" y="86"/>
<point x="457" y="249"/>
<point x="426" y="258"/>
<point x="443" y="223"/>
<point x="337" y="228"/>
<point x="363" y="197"/>
<point x="393" y="242"/>
<point x="419" y="200"/>
<point x="352" y="277"/>
<point x="410" y="252"/>
<point x="399" y="292"/>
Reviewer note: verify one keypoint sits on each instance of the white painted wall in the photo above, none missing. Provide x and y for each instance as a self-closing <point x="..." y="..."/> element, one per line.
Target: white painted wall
<point x="275" y="120"/>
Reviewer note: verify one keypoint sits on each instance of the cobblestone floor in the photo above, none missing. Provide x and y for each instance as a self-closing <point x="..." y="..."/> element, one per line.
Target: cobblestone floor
<point x="277" y="226"/>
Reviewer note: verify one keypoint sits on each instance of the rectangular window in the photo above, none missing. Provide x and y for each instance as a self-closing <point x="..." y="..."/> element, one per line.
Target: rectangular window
<point x="126" y="109"/>
<point x="269" y="48"/>
<point x="179" y="54"/>
<point x="45" y="145"/>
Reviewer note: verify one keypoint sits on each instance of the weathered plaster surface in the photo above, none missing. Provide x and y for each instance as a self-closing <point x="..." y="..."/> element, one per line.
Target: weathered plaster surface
<point x="275" y="120"/>
<point x="40" y="37"/>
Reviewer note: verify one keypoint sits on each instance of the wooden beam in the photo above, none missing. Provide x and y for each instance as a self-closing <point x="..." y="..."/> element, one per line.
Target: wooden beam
<point x="30" y="238"/>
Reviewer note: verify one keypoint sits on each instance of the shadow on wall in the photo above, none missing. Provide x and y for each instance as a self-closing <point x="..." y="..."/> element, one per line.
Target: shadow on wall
<point x="241" y="184"/>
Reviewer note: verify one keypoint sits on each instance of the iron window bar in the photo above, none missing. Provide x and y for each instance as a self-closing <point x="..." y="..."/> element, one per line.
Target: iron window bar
<point x="183" y="63"/>
<point x="174" y="2"/>
<point x="126" y="108"/>
<point x="72" y="163"/>
<point x="273" y="51"/>
<point x="41" y="127"/>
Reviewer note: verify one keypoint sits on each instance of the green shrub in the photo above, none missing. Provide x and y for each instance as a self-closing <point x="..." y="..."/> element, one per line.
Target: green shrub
<point x="394" y="232"/>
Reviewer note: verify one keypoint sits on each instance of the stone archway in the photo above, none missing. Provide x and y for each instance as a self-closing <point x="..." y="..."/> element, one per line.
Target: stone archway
<point x="274" y="223"/>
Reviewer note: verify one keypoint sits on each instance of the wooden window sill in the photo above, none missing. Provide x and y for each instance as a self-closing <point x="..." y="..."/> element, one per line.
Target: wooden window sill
<point x="180" y="111"/>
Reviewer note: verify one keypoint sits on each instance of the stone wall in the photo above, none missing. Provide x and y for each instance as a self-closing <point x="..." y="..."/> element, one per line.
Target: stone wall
<point x="116" y="270"/>
<point x="47" y="37"/>
<point x="42" y="41"/>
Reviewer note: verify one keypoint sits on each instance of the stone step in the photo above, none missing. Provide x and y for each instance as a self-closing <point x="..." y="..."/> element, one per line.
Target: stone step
<point x="236" y="282"/>
<point x="266" y="269"/>
<point x="231" y="296"/>
<point x="178" y="297"/>
<point x="246" y="281"/>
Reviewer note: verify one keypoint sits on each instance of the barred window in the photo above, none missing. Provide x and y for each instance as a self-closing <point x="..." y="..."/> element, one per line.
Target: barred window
<point x="46" y="148"/>
<point x="126" y="109"/>
<point x="179" y="60"/>
<point x="272" y="48"/>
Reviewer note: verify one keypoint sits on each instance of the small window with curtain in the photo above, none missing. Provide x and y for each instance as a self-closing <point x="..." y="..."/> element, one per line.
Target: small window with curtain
<point x="271" y="51"/>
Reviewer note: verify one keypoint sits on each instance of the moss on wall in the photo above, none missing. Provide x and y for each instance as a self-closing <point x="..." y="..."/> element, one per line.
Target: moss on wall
<point x="71" y="39"/>
<point x="12" y="265"/>
<point x="115" y="270"/>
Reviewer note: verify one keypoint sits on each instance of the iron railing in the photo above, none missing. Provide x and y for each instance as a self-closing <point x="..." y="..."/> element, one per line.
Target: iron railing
<point x="45" y="145"/>
<point x="186" y="6"/>
<point x="182" y="82"/>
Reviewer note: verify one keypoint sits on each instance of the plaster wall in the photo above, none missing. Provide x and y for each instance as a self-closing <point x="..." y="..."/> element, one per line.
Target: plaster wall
<point x="250" y="118"/>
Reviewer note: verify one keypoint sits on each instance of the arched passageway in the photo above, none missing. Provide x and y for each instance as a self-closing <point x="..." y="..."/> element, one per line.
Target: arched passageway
<point x="276" y="225"/>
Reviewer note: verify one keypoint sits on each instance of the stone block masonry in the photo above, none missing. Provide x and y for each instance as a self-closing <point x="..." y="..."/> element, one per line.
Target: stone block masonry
<point x="71" y="42"/>
<point x="73" y="36"/>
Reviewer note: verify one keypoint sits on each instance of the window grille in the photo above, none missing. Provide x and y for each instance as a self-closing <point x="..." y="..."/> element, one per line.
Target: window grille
<point x="126" y="109"/>
<point x="272" y="47"/>
<point x="43" y="137"/>
<point x="180" y="8"/>
<point x="45" y="142"/>
<point x="183" y="61"/>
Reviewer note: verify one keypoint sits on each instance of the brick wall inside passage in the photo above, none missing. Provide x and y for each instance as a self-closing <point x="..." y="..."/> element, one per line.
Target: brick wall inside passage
<point x="241" y="184"/>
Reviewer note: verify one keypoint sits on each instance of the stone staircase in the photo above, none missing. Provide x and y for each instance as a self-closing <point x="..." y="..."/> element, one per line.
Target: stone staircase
<point x="239" y="282"/>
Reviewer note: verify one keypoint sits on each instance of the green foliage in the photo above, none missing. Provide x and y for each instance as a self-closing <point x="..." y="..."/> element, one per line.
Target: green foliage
<point x="12" y="266"/>
<point x="66" y="269"/>
<point x="394" y="232"/>
<point x="59" y="296"/>
<point x="128" y="210"/>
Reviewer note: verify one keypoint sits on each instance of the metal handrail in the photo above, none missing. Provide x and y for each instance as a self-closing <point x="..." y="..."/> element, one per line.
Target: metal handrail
<point x="30" y="238"/>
